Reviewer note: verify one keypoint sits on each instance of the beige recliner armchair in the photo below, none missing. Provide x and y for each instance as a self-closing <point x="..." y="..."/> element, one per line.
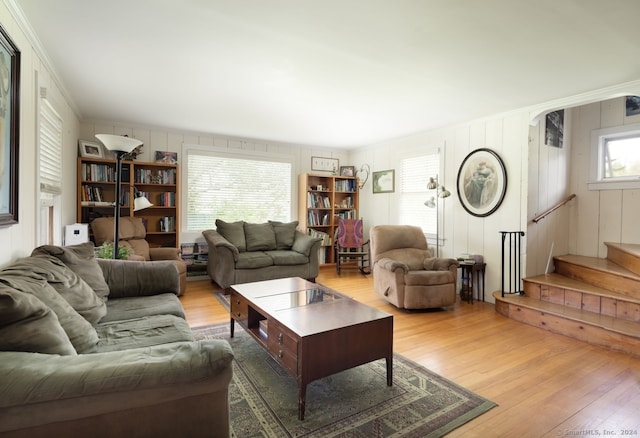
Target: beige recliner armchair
<point x="132" y="234"/>
<point x="405" y="273"/>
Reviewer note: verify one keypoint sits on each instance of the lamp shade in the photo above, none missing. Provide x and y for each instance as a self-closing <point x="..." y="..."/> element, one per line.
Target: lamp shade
<point x="118" y="143"/>
<point x="140" y="203"/>
<point x="444" y="193"/>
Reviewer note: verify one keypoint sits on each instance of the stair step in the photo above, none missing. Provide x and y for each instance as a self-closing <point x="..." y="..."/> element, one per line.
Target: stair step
<point x="568" y="283"/>
<point x="603" y="330"/>
<point x="599" y="272"/>
<point x="626" y="255"/>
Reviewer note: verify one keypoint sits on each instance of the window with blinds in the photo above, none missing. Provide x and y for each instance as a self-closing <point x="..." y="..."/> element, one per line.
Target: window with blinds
<point x="50" y="136"/>
<point x="414" y="177"/>
<point x="234" y="187"/>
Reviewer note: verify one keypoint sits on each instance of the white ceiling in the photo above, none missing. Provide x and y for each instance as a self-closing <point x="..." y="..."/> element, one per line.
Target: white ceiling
<point x="329" y="72"/>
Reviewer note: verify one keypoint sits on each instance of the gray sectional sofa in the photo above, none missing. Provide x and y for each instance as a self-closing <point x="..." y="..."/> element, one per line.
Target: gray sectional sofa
<point x="101" y="348"/>
<point x="242" y="252"/>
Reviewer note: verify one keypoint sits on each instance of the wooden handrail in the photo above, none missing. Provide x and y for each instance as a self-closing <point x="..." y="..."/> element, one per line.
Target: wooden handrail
<point x="555" y="207"/>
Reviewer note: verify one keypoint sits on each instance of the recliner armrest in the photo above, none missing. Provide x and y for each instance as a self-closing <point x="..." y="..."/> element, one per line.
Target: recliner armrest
<point x="440" y="264"/>
<point x="392" y="265"/>
<point x="164" y="254"/>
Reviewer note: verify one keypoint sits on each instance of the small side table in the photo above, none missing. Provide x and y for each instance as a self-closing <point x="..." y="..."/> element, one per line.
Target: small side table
<point x="470" y="272"/>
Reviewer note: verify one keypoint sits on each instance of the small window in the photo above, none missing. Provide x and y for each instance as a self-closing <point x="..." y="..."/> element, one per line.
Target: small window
<point x="615" y="158"/>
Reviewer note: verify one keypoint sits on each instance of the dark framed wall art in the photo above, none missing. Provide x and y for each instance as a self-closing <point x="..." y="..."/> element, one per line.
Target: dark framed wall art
<point x="554" y="129"/>
<point x="9" y="128"/>
<point x="482" y="182"/>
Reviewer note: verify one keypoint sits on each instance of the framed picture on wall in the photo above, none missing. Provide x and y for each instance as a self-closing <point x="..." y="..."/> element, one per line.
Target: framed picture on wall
<point x="554" y="129"/>
<point x="90" y="150"/>
<point x="482" y="182"/>
<point x="9" y="129"/>
<point x="384" y="181"/>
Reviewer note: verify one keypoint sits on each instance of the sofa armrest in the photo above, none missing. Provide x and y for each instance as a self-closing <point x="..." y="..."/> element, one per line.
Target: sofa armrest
<point x="217" y="242"/>
<point x="303" y="243"/>
<point x="127" y="278"/>
<point x="164" y="254"/>
<point x="392" y="265"/>
<point x="45" y="388"/>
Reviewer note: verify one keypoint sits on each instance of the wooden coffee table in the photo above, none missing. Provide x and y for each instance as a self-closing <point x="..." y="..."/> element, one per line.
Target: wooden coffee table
<point x="311" y="330"/>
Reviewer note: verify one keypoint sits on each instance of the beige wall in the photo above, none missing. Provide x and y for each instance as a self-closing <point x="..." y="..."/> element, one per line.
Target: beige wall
<point x="18" y="240"/>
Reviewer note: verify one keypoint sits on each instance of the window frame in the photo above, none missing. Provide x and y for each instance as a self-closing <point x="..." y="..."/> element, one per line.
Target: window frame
<point x="599" y="138"/>
<point x="431" y="232"/>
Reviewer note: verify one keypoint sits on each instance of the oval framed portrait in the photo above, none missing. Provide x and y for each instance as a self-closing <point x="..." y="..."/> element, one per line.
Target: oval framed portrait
<point x="482" y="182"/>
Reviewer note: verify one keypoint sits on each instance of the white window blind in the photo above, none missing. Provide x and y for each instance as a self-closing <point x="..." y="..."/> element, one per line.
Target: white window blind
<point x="50" y="132"/>
<point x="233" y="188"/>
<point x="414" y="177"/>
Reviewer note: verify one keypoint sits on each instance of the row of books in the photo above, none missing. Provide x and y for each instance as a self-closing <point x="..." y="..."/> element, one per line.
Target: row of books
<point x="149" y="176"/>
<point x="347" y="202"/>
<point x="167" y="223"/>
<point x="326" y="238"/>
<point x="167" y="199"/>
<point x="345" y="185"/>
<point x="194" y="254"/>
<point x="316" y="218"/>
<point x="316" y="200"/>
<point x="102" y="172"/>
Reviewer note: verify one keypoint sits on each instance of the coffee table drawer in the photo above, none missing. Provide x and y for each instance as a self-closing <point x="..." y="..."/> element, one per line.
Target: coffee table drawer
<point x="239" y="307"/>
<point x="283" y="346"/>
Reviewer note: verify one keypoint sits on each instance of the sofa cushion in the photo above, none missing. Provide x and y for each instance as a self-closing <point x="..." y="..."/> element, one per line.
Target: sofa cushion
<point x="80" y="259"/>
<point x="285" y="233"/>
<point x="284" y="257"/>
<point x="67" y="283"/>
<point x="80" y="332"/>
<point x="142" y="332"/>
<point x="253" y="260"/>
<point x="138" y="307"/>
<point x="260" y="237"/>
<point x="233" y="232"/>
<point x="27" y="324"/>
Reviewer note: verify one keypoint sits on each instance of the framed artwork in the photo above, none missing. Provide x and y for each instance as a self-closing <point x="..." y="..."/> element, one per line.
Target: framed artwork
<point x="632" y="106"/>
<point x="325" y="164"/>
<point x="9" y="128"/>
<point x="482" y="182"/>
<point x="90" y="150"/>
<point x="347" y="170"/>
<point x="384" y="181"/>
<point x="554" y="129"/>
<point x="166" y="157"/>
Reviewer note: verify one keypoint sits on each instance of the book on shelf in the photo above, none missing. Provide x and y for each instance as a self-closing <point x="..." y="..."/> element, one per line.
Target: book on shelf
<point x="187" y="249"/>
<point x="167" y="224"/>
<point x="326" y="238"/>
<point x="96" y="204"/>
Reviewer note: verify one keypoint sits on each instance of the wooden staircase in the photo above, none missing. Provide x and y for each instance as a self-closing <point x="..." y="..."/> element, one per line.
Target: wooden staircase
<point x="587" y="298"/>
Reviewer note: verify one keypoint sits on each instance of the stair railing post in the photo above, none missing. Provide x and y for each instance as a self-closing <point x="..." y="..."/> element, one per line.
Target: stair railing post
<point x="513" y="264"/>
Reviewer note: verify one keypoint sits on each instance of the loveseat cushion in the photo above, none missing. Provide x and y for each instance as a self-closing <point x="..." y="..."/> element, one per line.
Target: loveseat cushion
<point x="138" y="307"/>
<point x="80" y="332"/>
<point x="287" y="258"/>
<point x="27" y="324"/>
<point x="233" y="232"/>
<point x="285" y="233"/>
<point x="253" y="260"/>
<point x="259" y="237"/>
<point x="142" y="332"/>
<point x="81" y="260"/>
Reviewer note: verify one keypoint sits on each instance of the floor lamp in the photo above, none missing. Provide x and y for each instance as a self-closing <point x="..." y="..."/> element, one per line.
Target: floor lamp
<point x="121" y="146"/>
<point x="432" y="202"/>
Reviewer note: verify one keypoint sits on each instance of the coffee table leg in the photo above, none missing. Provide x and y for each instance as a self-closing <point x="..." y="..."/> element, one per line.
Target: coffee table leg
<point x="389" y="371"/>
<point x="302" y="395"/>
<point x="232" y="327"/>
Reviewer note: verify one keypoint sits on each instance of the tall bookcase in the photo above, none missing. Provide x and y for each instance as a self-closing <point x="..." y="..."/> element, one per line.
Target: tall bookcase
<point x="158" y="181"/>
<point x="323" y="199"/>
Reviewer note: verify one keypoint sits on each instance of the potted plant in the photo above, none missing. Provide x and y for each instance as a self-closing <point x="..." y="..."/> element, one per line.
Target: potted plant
<point x="106" y="251"/>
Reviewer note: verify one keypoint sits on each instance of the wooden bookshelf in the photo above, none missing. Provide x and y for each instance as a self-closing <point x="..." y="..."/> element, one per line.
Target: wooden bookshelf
<point x="323" y="199"/>
<point x="158" y="181"/>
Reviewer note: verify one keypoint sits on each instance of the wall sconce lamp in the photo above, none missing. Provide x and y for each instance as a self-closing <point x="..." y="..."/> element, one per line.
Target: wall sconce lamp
<point x="119" y="145"/>
<point x="432" y="202"/>
<point x="366" y="171"/>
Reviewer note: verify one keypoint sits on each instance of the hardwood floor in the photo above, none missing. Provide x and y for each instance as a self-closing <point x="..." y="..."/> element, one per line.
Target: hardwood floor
<point x="545" y="384"/>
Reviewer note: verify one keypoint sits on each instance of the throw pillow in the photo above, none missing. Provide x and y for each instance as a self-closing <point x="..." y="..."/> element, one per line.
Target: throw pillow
<point x="260" y="237"/>
<point x="81" y="333"/>
<point x="285" y="233"/>
<point x="233" y="232"/>
<point x="67" y="283"/>
<point x="29" y="325"/>
<point x="80" y="259"/>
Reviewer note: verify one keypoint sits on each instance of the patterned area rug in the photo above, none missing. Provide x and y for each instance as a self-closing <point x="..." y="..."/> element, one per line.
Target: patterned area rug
<point x="352" y="403"/>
